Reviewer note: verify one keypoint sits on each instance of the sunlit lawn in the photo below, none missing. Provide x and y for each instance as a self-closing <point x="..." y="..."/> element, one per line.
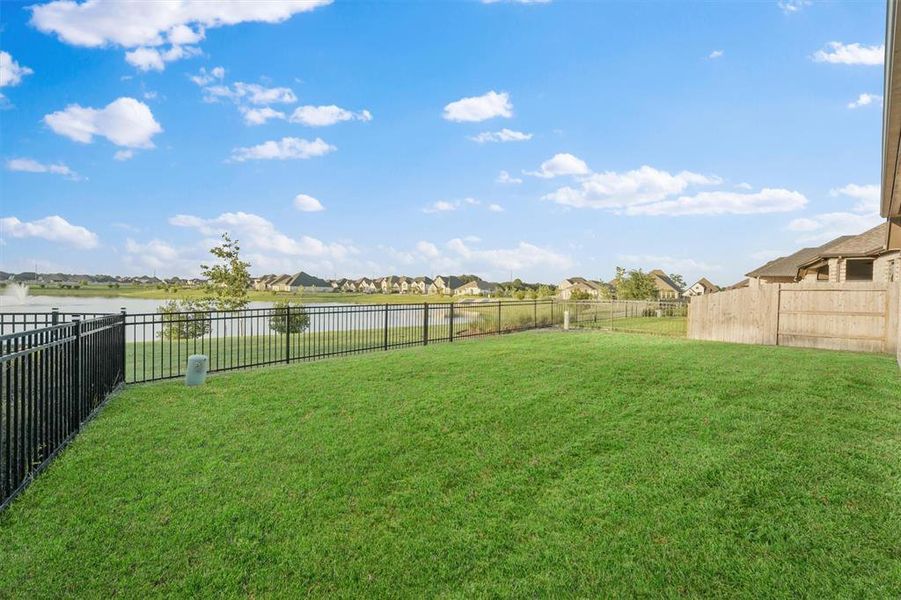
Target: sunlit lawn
<point x="535" y="464"/>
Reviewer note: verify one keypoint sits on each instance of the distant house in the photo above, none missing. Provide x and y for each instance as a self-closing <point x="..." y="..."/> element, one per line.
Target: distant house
<point x="386" y="284"/>
<point x="445" y="284"/>
<point x="594" y="289"/>
<point x="420" y="285"/>
<point x="476" y="288"/>
<point x="349" y="285"/>
<point x="304" y="282"/>
<point x="263" y="283"/>
<point x="863" y="257"/>
<point x="365" y="285"/>
<point x="280" y="283"/>
<point x="700" y="287"/>
<point x="667" y="289"/>
<point x="402" y="285"/>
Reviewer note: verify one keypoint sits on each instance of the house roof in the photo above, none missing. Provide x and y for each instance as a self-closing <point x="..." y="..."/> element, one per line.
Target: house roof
<point x="572" y="281"/>
<point x="867" y="243"/>
<point x="451" y="281"/>
<point x="705" y="283"/>
<point x="741" y="284"/>
<point x="482" y="285"/>
<point x="787" y="266"/>
<point x="306" y="280"/>
<point x="663" y="278"/>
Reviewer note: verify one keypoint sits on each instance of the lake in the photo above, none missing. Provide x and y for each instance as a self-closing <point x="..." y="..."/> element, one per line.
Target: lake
<point x="323" y="316"/>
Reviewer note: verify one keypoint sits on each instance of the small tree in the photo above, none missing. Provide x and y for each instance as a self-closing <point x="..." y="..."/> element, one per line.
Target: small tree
<point x="578" y="294"/>
<point x="183" y="320"/>
<point x="278" y="322"/>
<point x="678" y="280"/>
<point x="635" y="285"/>
<point x="227" y="282"/>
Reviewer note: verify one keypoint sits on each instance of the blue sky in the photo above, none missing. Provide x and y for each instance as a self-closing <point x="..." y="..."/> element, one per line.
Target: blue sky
<point x="344" y="138"/>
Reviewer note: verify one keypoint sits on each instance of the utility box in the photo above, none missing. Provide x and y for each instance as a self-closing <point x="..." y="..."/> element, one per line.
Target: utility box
<point x="198" y="365"/>
<point x="566" y="320"/>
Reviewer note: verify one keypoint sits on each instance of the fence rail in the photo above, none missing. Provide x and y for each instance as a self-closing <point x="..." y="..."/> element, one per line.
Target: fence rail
<point x="157" y="344"/>
<point x="52" y="381"/>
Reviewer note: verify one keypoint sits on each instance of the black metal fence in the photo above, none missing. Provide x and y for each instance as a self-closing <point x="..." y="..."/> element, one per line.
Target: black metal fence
<point x="633" y="316"/>
<point x="157" y="345"/>
<point x="52" y="380"/>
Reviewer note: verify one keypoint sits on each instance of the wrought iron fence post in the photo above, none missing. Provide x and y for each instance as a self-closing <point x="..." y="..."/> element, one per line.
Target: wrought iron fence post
<point x="54" y="315"/>
<point x="451" y="322"/>
<point x="535" y="313"/>
<point x="386" y="325"/>
<point x="498" y="317"/>
<point x="124" y="342"/>
<point x="425" y="325"/>
<point x="287" y="332"/>
<point x="76" y="375"/>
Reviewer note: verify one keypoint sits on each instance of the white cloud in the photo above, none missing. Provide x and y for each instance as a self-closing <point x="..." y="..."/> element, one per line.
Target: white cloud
<point x="123" y="155"/>
<point x="504" y="177"/>
<point x="792" y="6"/>
<point x="155" y="254"/>
<point x="668" y="263"/>
<point x="561" y="164"/>
<point x="428" y="249"/>
<point x="744" y="186"/>
<point x="441" y="206"/>
<point x="151" y="59"/>
<point x="125" y="122"/>
<point x="258" y="234"/>
<point x="715" y="54"/>
<point x="305" y="203"/>
<point x="283" y="149"/>
<point x="450" y="205"/>
<point x="252" y="93"/>
<point x="867" y="196"/>
<point x="323" y="116"/>
<point x="148" y="26"/>
<point x="522" y="256"/>
<point x="615" y="191"/>
<point x="504" y="135"/>
<point x="53" y="228"/>
<point x="259" y="116"/>
<point x="495" y="208"/>
<point x="205" y="77"/>
<point x="766" y="200"/>
<point x="11" y="72"/>
<point x="28" y="165"/>
<point x="865" y="100"/>
<point x="850" y="54"/>
<point x="827" y="226"/>
<point x="479" y="108"/>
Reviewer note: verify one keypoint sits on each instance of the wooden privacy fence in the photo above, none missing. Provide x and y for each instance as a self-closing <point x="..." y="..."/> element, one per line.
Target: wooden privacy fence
<point x="857" y="316"/>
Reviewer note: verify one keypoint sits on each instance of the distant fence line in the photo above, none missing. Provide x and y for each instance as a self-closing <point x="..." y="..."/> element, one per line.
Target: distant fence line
<point x="157" y="344"/>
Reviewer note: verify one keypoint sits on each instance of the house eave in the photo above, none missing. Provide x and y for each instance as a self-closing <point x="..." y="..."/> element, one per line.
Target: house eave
<point x="891" y="116"/>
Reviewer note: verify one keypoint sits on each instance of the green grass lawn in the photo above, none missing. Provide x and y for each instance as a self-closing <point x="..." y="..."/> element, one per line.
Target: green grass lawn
<point x="536" y="464"/>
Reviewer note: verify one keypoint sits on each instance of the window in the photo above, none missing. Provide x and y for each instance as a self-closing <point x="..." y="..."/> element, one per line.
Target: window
<point x="859" y="270"/>
<point x="823" y="273"/>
